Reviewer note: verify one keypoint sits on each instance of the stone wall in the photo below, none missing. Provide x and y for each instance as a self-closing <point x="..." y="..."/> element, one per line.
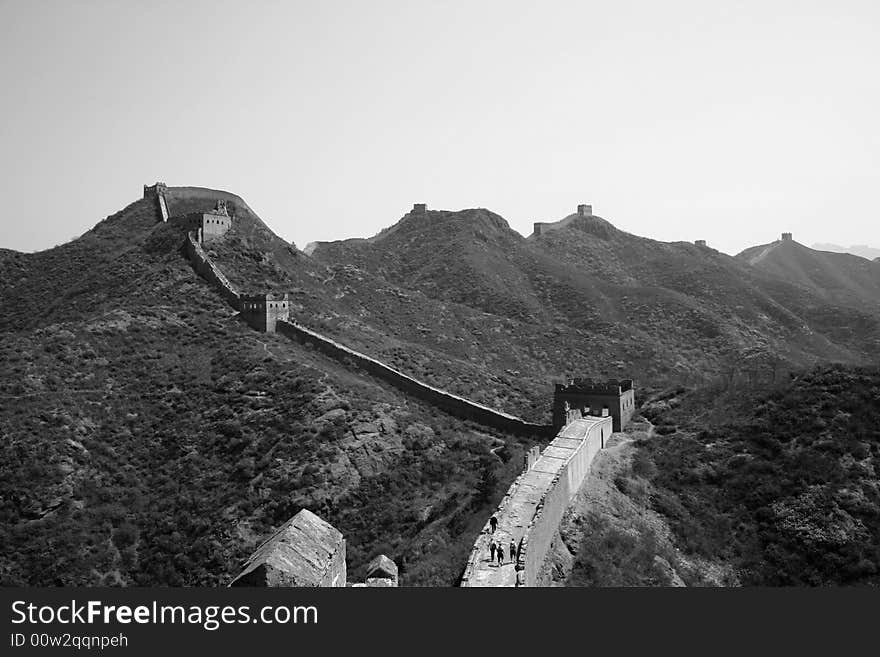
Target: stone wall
<point x="163" y="207"/>
<point x="533" y="507"/>
<point x="158" y="191"/>
<point x="453" y="404"/>
<point x="205" y="268"/>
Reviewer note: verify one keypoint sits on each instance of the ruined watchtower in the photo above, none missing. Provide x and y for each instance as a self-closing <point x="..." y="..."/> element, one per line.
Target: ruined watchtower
<point x="786" y="237"/>
<point x="209" y="225"/>
<point x="152" y="191"/>
<point x="420" y="208"/>
<point x="381" y="571"/>
<point x="305" y="551"/>
<point x="585" y="210"/>
<point x="614" y="398"/>
<point x="700" y="243"/>
<point x="262" y="310"/>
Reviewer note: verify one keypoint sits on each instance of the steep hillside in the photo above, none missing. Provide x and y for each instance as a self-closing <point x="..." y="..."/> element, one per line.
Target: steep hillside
<point x="839" y="278"/>
<point x="150" y="437"/>
<point x="786" y="493"/>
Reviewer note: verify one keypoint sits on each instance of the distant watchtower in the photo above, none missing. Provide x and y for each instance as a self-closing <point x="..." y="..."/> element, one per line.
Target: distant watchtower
<point x="262" y="311"/>
<point x="700" y="243"/>
<point x="786" y="237"/>
<point x="420" y="208"/>
<point x="152" y="191"/>
<point x="615" y="398"/>
<point x="585" y="210"/>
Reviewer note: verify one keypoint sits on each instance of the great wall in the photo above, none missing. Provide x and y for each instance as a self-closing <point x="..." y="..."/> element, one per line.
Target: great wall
<point x="307" y="551"/>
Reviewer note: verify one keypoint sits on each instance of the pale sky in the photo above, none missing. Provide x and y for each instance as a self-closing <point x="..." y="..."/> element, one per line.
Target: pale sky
<point x="725" y="121"/>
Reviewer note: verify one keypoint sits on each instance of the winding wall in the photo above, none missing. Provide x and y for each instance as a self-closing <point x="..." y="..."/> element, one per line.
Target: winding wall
<point x="449" y="402"/>
<point x="209" y="271"/>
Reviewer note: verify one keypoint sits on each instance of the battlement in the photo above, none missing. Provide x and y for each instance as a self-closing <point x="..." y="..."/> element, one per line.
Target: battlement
<point x="420" y="208"/>
<point x="786" y="237"/>
<point x="585" y="210"/>
<point x="610" y="387"/>
<point x="700" y="243"/>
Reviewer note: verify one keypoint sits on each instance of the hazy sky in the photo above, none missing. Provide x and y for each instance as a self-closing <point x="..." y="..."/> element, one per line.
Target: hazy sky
<point x="728" y="121"/>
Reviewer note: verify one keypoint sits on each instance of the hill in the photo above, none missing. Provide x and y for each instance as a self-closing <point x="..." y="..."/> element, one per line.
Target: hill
<point x="786" y="492"/>
<point x="140" y="414"/>
<point x="150" y="437"/>
<point x="839" y="278"/>
<point x="586" y="297"/>
<point x="862" y="250"/>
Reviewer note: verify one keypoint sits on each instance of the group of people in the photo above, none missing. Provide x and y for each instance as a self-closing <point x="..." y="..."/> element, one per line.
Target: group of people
<point x="497" y="549"/>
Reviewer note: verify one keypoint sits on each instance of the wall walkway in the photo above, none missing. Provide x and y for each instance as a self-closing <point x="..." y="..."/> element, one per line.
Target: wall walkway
<point x="163" y="207"/>
<point x="530" y="512"/>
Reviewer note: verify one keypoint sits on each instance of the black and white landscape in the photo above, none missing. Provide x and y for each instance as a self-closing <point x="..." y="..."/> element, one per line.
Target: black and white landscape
<point x="508" y="270"/>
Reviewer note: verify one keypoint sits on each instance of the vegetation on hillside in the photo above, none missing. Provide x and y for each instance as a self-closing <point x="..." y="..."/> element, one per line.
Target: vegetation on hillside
<point x="150" y="437"/>
<point x="787" y="493"/>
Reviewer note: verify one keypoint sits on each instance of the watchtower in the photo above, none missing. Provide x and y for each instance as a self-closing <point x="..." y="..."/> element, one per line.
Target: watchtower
<point x="585" y="210"/>
<point x="209" y="225"/>
<point x="262" y="311"/>
<point x="786" y="237"/>
<point x="152" y="191"/>
<point x="700" y="242"/>
<point x="420" y="208"/>
<point x="615" y="398"/>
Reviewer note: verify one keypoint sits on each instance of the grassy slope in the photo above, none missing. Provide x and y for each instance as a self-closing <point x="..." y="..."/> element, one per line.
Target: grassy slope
<point x="149" y="437"/>
<point x="785" y="491"/>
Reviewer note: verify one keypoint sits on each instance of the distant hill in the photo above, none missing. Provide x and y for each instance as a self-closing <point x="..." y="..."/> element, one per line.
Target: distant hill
<point x="587" y="297"/>
<point x="862" y="250"/>
<point x="839" y="278"/>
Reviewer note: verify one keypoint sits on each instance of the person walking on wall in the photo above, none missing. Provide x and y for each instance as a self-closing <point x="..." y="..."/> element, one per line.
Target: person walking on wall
<point x="493" y="521"/>
<point x="492" y="551"/>
<point x="500" y="554"/>
<point x="512" y="551"/>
